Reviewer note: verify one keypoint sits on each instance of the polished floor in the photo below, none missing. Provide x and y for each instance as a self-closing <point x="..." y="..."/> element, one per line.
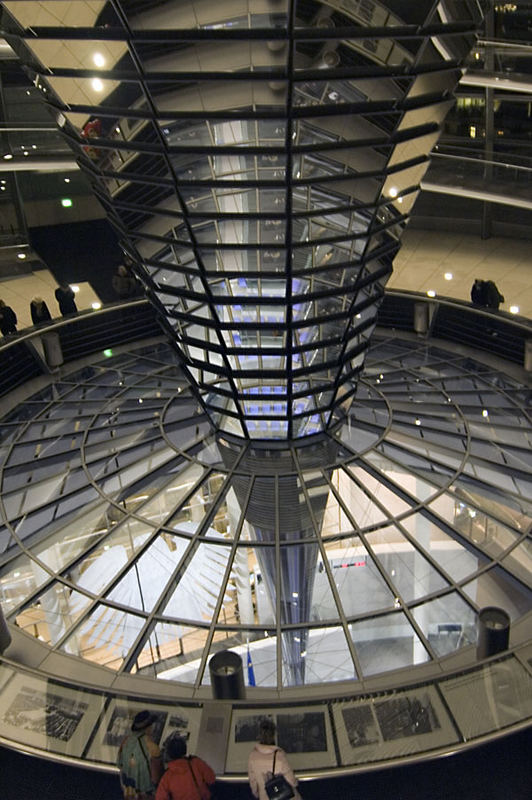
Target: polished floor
<point x="501" y="770"/>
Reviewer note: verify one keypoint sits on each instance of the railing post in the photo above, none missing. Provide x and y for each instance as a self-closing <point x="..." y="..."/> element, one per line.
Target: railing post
<point x="528" y="355"/>
<point x="421" y="318"/>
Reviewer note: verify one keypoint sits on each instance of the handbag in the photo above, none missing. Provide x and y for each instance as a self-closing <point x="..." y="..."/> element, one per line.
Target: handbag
<point x="277" y="787"/>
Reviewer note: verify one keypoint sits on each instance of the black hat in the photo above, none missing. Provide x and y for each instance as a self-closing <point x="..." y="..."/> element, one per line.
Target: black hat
<point x="143" y="720"/>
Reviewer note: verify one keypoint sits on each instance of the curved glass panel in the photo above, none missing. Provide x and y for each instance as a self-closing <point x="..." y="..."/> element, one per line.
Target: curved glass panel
<point x="352" y="554"/>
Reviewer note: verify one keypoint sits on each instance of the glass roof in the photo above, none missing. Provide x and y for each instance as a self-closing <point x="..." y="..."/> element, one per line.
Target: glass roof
<point x="259" y="161"/>
<point x="136" y="537"/>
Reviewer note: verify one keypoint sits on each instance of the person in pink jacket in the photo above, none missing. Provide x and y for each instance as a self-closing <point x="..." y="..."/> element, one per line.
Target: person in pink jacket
<point x="185" y="778"/>
<point x="260" y="762"/>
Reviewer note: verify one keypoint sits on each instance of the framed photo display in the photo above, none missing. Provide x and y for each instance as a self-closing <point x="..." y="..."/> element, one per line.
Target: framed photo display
<point x="118" y="718"/>
<point x="303" y="732"/>
<point x="378" y="728"/>
<point x="44" y="714"/>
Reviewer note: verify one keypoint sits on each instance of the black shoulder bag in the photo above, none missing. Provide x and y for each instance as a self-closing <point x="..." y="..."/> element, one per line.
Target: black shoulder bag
<point x="277" y="787"/>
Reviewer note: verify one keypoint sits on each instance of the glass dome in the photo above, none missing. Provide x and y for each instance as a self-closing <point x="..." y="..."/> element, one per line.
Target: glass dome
<point x="137" y="537"/>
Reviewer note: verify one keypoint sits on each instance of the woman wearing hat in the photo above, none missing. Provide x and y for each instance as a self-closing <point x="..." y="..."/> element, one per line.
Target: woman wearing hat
<point x="139" y="760"/>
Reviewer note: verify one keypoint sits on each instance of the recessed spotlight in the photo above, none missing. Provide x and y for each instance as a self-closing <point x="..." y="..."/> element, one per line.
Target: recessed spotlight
<point x="485" y="412"/>
<point x="8" y="156"/>
<point x="393" y="192"/>
<point x="67" y="180"/>
<point x="66" y="202"/>
<point x="448" y="276"/>
<point x="21" y="255"/>
<point x="514" y="309"/>
<point x="98" y="59"/>
<point x="34" y="147"/>
<point x="3" y="188"/>
<point x="26" y="153"/>
<point x="418" y="421"/>
<point x="97" y="84"/>
<point x="96" y="306"/>
<point x="431" y="293"/>
<point x="74" y="288"/>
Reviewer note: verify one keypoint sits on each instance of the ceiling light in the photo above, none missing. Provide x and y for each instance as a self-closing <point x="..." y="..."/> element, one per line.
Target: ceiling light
<point x="448" y="276"/>
<point x="485" y="412"/>
<point x="514" y="309"/>
<point x="96" y="306"/>
<point x="26" y="153"/>
<point x="74" y="288"/>
<point x="99" y="59"/>
<point x="21" y="255"/>
<point x="67" y="180"/>
<point x="393" y="192"/>
<point x="8" y="156"/>
<point x="97" y="84"/>
<point x="418" y="421"/>
<point x="66" y="202"/>
<point x="431" y="293"/>
<point x="34" y="147"/>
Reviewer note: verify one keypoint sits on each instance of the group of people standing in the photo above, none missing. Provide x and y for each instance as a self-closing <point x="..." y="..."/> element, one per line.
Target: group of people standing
<point x="147" y="773"/>
<point x="39" y="311"/>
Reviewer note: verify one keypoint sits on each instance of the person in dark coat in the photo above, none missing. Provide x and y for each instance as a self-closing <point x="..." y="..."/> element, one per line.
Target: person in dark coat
<point x="493" y="297"/>
<point x="8" y="319"/>
<point x="65" y="298"/>
<point x="39" y="311"/>
<point x="124" y="283"/>
<point x="478" y="293"/>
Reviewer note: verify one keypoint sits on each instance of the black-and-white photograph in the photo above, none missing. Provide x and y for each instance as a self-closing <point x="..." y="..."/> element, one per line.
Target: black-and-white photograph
<point x="399" y="717"/>
<point x="302" y="733"/>
<point x="120" y="725"/>
<point x="177" y="724"/>
<point x="46" y="713"/>
<point x="360" y="725"/>
<point x="247" y="729"/>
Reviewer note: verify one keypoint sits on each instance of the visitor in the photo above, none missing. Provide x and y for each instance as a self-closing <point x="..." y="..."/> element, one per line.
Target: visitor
<point x="478" y="293"/>
<point x="266" y="758"/>
<point x="186" y="778"/>
<point x="493" y="297"/>
<point x="65" y="298"/>
<point x="124" y="283"/>
<point x="39" y="311"/>
<point x="8" y="319"/>
<point x="139" y="760"/>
